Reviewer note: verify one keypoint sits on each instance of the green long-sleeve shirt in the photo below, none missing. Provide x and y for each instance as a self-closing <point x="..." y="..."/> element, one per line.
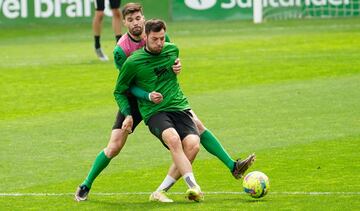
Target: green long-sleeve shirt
<point x="151" y="72"/>
<point x="131" y="45"/>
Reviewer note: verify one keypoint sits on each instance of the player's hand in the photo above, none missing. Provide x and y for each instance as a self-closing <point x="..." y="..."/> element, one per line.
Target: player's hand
<point x="156" y="97"/>
<point x="177" y="66"/>
<point x="127" y="124"/>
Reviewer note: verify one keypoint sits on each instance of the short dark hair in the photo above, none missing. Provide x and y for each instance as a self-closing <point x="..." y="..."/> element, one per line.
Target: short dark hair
<point x="131" y="8"/>
<point x="154" y="25"/>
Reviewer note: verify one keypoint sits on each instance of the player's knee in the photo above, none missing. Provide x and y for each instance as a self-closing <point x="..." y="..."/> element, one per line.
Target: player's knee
<point x="173" y="142"/>
<point x="99" y="15"/>
<point x="113" y="152"/>
<point x="117" y="141"/>
<point x="192" y="144"/>
<point x="114" y="149"/>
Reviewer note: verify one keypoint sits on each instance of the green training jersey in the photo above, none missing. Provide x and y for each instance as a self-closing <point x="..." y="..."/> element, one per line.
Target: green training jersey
<point x="151" y="72"/>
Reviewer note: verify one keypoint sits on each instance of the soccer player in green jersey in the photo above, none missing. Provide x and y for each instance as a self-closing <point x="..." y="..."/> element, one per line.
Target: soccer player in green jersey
<point x="150" y="68"/>
<point x="134" y="39"/>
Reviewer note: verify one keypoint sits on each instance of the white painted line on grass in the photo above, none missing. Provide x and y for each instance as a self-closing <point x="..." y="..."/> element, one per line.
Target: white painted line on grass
<point x="177" y="193"/>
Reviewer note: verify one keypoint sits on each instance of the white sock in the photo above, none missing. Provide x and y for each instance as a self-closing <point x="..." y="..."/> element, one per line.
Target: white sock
<point x="166" y="184"/>
<point x="190" y="180"/>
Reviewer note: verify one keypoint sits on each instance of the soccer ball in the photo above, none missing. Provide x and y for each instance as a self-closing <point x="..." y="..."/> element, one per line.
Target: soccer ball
<point x="256" y="184"/>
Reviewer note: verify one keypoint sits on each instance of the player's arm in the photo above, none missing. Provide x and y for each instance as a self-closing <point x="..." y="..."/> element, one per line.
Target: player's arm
<point x="123" y="82"/>
<point x="154" y="97"/>
<point x="140" y="93"/>
<point x="125" y="77"/>
<point x="119" y="57"/>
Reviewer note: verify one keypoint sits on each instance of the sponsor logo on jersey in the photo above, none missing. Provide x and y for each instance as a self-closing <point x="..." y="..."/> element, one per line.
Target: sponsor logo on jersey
<point x="160" y="71"/>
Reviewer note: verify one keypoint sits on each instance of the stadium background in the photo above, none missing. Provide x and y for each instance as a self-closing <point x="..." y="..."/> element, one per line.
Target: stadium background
<point x="23" y="11"/>
<point x="286" y="89"/>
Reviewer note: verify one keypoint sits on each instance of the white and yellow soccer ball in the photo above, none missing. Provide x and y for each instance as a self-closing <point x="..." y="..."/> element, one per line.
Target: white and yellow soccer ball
<point x="256" y="184"/>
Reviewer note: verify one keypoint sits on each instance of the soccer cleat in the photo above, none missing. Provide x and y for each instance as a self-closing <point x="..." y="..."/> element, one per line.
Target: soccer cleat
<point x="241" y="166"/>
<point x="195" y="194"/>
<point x="160" y="196"/>
<point x="81" y="193"/>
<point x="100" y="54"/>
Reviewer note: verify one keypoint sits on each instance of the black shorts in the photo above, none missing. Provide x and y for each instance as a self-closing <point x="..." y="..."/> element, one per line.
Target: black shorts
<point x="100" y="4"/>
<point x="181" y="121"/>
<point x="134" y="109"/>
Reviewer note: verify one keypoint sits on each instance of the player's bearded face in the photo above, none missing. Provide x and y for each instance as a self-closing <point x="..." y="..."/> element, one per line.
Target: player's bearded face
<point x="135" y="23"/>
<point x="155" y="41"/>
<point x="136" y="30"/>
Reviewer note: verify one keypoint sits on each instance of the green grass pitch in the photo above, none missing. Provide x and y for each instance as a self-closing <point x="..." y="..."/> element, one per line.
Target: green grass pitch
<point x="288" y="91"/>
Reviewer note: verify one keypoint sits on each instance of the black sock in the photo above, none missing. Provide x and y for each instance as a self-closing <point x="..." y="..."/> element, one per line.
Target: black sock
<point x="97" y="42"/>
<point x="117" y="37"/>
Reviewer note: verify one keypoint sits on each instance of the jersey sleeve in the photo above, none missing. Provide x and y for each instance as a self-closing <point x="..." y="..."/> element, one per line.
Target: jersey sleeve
<point x="123" y="83"/>
<point x="119" y="57"/>
<point x="140" y="93"/>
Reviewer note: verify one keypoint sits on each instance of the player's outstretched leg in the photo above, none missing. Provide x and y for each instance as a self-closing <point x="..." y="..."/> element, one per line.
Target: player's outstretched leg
<point x="191" y="148"/>
<point x="100" y="163"/>
<point x="241" y="166"/>
<point x="214" y="147"/>
<point x="102" y="160"/>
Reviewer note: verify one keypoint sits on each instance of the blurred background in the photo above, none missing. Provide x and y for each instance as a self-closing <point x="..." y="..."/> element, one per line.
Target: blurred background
<point x="54" y="11"/>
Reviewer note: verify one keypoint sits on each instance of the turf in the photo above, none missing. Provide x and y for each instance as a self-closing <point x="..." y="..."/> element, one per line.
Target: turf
<point x="287" y="90"/>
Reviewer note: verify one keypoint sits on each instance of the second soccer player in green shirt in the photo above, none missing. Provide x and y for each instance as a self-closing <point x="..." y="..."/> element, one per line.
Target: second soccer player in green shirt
<point x="150" y="68"/>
